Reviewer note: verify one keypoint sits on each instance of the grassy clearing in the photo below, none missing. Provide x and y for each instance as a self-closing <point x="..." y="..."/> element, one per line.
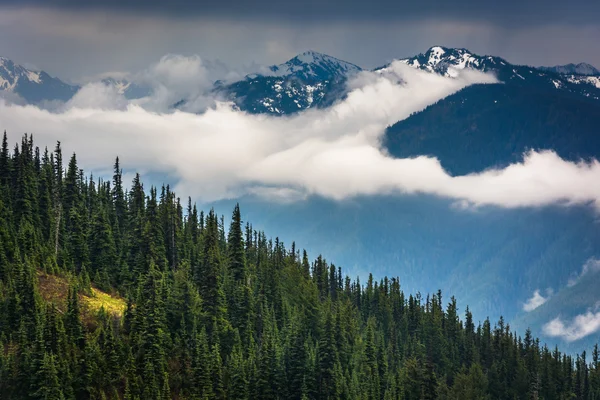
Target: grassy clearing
<point x="111" y="304"/>
<point x="55" y="288"/>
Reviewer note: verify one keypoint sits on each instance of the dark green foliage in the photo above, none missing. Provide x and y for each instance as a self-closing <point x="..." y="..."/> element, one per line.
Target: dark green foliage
<point x="488" y="125"/>
<point x="226" y="315"/>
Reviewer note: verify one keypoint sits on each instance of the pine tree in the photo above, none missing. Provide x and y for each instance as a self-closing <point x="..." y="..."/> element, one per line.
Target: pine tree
<point x="208" y="275"/>
<point x="5" y="170"/>
<point x="235" y="243"/>
<point x="201" y="368"/>
<point x="49" y="386"/>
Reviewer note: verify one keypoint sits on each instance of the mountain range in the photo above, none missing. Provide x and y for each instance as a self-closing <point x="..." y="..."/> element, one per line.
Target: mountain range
<point x="573" y="69"/>
<point x="38" y="86"/>
<point x="494" y="259"/>
<point x="313" y="79"/>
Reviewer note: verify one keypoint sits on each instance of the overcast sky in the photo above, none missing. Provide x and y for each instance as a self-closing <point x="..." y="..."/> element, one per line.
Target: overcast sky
<point x="75" y="39"/>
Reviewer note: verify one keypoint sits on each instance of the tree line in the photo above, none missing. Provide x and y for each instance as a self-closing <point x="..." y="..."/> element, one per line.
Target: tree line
<point x="216" y="312"/>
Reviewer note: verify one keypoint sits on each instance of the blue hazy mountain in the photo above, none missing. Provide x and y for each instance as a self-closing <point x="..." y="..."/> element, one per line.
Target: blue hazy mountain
<point x="573" y="69"/>
<point x="566" y="302"/>
<point x="32" y="86"/>
<point x="37" y="86"/>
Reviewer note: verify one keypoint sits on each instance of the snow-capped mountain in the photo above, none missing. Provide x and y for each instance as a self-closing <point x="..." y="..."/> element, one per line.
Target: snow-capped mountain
<point x="37" y="86"/>
<point x="573" y="69"/>
<point x="313" y="79"/>
<point x="313" y="65"/>
<point x="448" y="61"/>
<point x="33" y="86"/>
<point x="308" y="80"/>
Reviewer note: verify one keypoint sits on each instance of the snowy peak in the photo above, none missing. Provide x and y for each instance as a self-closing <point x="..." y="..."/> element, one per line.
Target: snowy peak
<point x="573" y="69"/>
<point x="445" y="61"/>
<point x="448" y="61"/>
<point x="33" y="86"/>
<point x="312" y="65"/>
<point x="310" y="79"/>
<point x="11" y="74"/>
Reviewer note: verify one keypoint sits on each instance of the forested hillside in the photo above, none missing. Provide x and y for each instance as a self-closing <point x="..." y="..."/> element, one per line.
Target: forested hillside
<point x="215" y="312"/>
<point x="484" y="126"/>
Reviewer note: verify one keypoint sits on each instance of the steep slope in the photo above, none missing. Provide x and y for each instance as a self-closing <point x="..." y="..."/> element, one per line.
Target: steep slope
<point x="308" y="80"/>
<point x="486" y="125"/>
<point x="495" y="258"/>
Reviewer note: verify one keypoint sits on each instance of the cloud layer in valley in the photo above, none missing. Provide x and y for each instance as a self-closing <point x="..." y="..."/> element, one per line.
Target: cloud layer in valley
<point x="334" y="152"/>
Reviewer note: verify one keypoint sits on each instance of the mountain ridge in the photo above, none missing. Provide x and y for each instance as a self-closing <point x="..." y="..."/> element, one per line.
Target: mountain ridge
<point x="581" y="68"/>
<point x="313" y="79"/>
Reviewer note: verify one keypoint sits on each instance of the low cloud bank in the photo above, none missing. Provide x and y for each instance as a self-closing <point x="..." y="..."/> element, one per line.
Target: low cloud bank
<point x="335" y="152"/>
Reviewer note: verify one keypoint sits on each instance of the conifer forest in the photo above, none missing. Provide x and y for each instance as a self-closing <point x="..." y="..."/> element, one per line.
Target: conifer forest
<point x="116" y="290"/>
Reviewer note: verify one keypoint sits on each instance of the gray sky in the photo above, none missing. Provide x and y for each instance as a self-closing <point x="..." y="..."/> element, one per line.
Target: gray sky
<point x="75" y="40"/>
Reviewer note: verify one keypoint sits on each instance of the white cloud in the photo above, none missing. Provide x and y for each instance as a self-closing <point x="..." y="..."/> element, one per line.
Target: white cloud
<point x="591" y="266"/>
<point x="187" y="80"/>
<point x="174" y="78"/>
<point x="581" y="326"/>
<point x="97" y="96"/>
<point x="335" y="152"/>
<point x="535" y="301"/>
